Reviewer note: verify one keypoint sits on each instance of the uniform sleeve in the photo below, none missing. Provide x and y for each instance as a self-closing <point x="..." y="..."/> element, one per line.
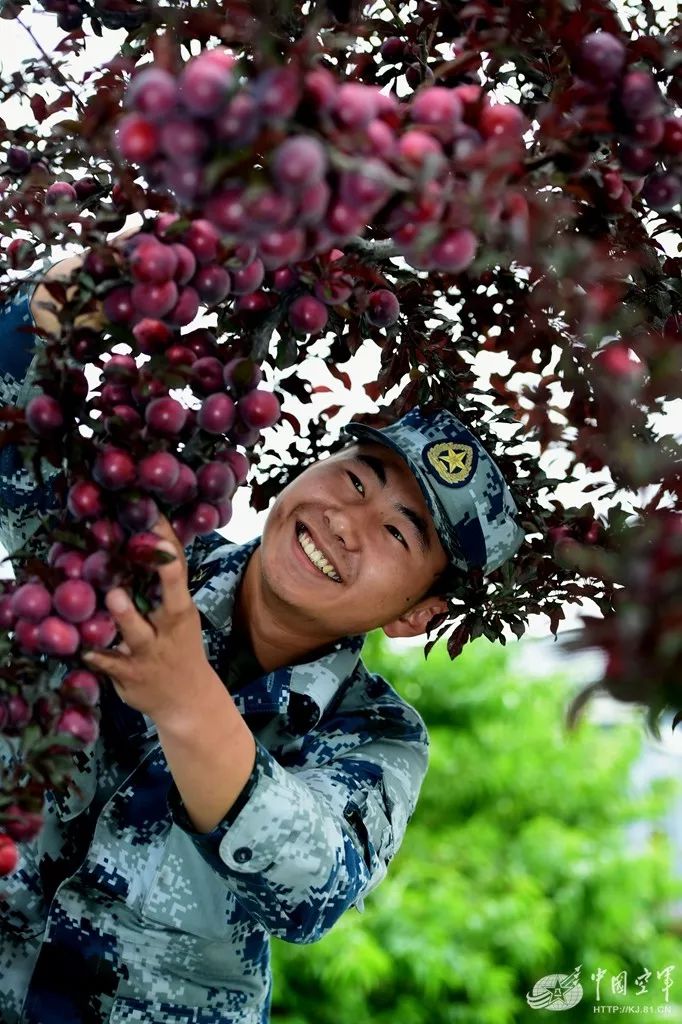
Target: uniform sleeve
<point x="19" y="346"/>
<point x="302" y="845"/>
<point x="23" y="505"/>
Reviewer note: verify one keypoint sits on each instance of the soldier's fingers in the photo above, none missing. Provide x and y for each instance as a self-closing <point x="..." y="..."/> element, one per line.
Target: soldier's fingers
<point x="111" y="663"/>
<point x="164" y="529"/>
<point x="175" y="594"/>
<point x="136" y="631"/>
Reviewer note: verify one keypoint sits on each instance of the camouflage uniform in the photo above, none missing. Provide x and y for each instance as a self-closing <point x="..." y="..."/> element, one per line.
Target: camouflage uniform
<point x="120" y="910"/>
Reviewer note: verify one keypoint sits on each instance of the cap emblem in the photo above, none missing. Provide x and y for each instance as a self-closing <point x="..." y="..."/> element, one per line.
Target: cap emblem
<point x="452" y="461"/>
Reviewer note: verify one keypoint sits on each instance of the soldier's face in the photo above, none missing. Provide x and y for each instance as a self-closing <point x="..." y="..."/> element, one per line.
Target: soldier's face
<point x="346" y="506"/>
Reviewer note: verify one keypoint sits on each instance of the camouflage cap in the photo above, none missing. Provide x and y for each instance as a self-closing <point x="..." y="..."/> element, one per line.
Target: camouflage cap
<point x="470" y="503"/>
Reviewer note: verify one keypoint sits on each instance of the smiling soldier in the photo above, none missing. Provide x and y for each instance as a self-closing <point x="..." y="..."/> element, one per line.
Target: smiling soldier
<point x="251" y="778"/>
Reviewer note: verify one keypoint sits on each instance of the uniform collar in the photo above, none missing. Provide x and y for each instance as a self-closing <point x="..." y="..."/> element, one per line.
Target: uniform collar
<point x="304" y="691"/>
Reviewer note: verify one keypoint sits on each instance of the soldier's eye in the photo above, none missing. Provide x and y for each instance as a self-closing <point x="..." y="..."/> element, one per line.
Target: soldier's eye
<point x="356" y="480"/>
<point x="398" y="535"/>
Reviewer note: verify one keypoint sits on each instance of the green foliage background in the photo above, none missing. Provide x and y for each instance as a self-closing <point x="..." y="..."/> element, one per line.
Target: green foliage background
<point x="515" y="864"/>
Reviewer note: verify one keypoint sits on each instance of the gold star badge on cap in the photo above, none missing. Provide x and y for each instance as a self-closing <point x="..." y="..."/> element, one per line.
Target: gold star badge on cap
<point x="453" y="462"/>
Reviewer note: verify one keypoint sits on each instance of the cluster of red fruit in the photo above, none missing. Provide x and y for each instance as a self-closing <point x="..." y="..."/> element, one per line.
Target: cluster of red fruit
<point x="206" y="271"/>
<point x="209" y="272"/>
<point x="133" y="468"/>
<point x="149" y="452"/>
<point x="311" y="287"/>
<point x="68" y="711"/>
<point x="628" y="101"/>
<point x="334" y="154"/>
<point x="57" y="623"/>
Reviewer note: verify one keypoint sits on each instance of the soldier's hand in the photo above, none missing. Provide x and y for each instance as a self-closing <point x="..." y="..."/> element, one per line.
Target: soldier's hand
<point x="161" y="665"/>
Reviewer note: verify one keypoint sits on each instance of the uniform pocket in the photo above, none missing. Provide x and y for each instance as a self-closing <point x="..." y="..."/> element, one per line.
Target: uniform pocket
<point x="186" y="894"/>
<point x="365" y="815"/>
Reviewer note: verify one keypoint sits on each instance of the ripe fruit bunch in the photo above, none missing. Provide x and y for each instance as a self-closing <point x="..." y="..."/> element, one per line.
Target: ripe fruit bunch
<point x="167" y="281"/>
<point x="170" y="280"/>
<point x="58" y="622"/>
<point x="149" y="452"/>
<point x="334" y="154"/>
<point x="67" y="712"/>
<point x="312" y="287"/>
<point x="66" y="718"/>
<point x="624" y="102"/>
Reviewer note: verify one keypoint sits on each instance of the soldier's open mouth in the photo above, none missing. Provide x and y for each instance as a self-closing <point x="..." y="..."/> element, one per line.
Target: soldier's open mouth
<point x="314" y="555"/>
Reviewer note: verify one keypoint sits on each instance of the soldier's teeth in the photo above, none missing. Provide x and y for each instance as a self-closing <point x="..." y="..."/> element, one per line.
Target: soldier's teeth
<point x="316" y="556"/>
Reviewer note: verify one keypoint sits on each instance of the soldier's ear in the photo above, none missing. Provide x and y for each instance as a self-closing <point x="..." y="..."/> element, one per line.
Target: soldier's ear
<point x="414" y="622"/>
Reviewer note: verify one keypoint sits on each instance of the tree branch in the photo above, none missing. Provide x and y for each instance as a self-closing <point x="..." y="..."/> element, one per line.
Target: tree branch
<point x="57" y="74"/>
<point x="533" y="163"/>
<point x="262" y="336"/>
<point x="378" y="251"/>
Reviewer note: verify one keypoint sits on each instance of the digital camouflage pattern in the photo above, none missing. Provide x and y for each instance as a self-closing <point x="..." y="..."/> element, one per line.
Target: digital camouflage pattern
<point x="120" y="911"/>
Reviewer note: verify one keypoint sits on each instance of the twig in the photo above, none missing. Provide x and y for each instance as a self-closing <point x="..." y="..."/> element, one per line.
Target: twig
<point x="533" y="163"/>
<point x="382" y="250"/>
<point x="59" y="76"/>
<point x="260" y="341"/>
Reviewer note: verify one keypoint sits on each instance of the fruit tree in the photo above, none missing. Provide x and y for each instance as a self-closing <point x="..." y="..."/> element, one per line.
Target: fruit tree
<point x="437" y="179"/>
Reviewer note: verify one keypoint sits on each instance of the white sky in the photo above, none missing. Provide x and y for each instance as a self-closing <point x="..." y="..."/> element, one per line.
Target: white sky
<point x="17" y="46"/>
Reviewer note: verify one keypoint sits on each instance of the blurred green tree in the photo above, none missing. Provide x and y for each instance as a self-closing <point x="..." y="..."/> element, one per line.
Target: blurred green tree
<point x="516" y="865"/>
